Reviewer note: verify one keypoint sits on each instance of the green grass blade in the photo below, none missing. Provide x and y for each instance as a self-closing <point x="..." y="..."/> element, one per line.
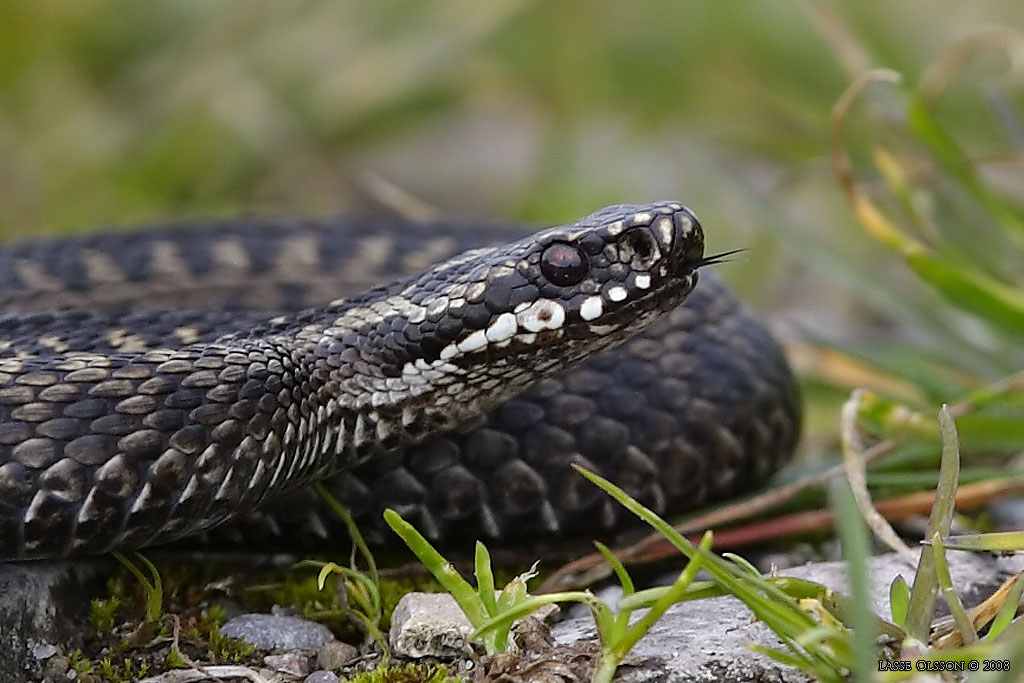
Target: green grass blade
<point x="853" y="537"/>
<point x="924" y="591"/>
<point x="1008" y="611"/>
<point x="628" y="589"/>
<point x="155" y="599"/>
<point x="442" y="569"/>
<point x="971" y="291"/>
<point x="956" y="607"/>
<point x="698" y="590"/>
<point x="741" y="562"/>
<point x="350" y="525"/>
<point x="370" y="603"/>
<point x="899" y="599"/>
<point x="995" y="542"/>
<point x="625" y="580"/>
<point x="135" y="571"/>
<point x="958" y="164"/>
<point x="152" y="590"/>
<point x="485" y="579"/>
<point x="504" y="618"/>
<point x="660" y="525"/>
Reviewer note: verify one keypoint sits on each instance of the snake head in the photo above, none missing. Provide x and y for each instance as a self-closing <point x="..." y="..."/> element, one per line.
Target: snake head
<point x="436" y="349"/>
<point x="556" y="296"/>
<point x="609" y="274"/>
<point x="561" y="294"/>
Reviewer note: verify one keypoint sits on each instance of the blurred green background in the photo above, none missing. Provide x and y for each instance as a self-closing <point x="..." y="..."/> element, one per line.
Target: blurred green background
<point x="117" y="112"/>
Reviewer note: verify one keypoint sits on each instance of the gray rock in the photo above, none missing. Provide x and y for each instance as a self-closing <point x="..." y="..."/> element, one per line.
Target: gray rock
<point x="1007" y="513"/>
<point x="43" y="650"/>
<point x="429" y="625"/>
<point x="57" y="666"/>
<point x="433" y="625"/>
<point x="269" y="632"/>
<point x="42" y="603"/>
<point x="708" y="640"/>
<point x="291" y="663"/>
<point x="321" y="677"/>
<point x="335" y="655"/>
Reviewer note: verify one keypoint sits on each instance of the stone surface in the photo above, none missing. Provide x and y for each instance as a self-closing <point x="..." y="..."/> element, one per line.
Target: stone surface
<point x="274" y="632"/>
<point x="1007" y="513"/>
<point x="321" y="677"/>
<point x="291" y="663"/>
<point x="335" y="655"/>
<point x="707" y="640"/>
<point x="43" y="606"/>
<point x="429" y="625"/>
<point x="56" y="666"/>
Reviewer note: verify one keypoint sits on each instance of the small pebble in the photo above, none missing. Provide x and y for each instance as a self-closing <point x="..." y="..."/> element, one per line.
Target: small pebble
<point x="430" y="625"/>
<point x="321" y="677"/>
<point x="336" y="654"/>
<point x="291" y="663"/>
<point x="44" y="650"/>
<point x="57" y="667"/>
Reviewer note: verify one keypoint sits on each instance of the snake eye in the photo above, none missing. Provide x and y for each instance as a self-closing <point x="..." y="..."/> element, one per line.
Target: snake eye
<point x="564" y="265"/>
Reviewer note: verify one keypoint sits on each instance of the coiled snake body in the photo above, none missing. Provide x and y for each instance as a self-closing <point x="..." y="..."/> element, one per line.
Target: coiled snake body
<point x="159" y="384"/>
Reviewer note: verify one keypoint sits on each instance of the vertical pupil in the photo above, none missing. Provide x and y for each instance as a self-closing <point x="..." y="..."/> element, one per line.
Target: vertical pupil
<point x="563" y="264"/>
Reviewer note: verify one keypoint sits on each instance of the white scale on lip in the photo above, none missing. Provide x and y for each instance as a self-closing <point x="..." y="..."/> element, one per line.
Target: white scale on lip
<point x="617" y="293"/>
<point x="504" y="327"/>
<point x="542" y="314"/>
<point x="474" y="342"/>
<point x="591" y="308"/>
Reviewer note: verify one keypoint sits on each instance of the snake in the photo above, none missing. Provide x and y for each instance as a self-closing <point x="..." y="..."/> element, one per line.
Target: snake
<point x="196" y="379"/>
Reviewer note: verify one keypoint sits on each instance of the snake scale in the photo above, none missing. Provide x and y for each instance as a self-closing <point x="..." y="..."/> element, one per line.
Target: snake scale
<point x="196" y="378"/>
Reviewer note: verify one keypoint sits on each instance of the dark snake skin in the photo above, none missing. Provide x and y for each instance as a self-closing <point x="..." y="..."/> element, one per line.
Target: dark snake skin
<point x="697" y="407"/>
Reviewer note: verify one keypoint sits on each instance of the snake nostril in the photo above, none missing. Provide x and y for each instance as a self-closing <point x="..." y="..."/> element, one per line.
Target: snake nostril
<point x="639" y="249"/>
